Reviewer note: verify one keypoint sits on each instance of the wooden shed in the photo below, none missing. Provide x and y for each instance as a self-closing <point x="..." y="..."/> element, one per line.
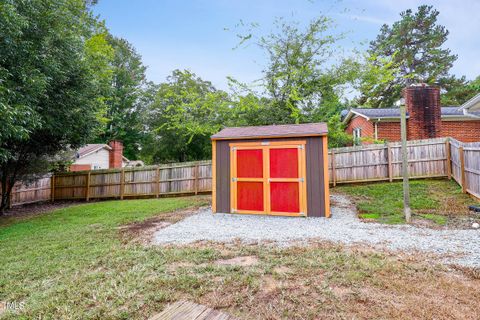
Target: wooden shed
<point x="272" y="170"/>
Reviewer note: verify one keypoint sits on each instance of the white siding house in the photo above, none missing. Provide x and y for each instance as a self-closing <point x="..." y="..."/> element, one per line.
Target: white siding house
<point x="99" y="159"/>
<point x="100" y="156"/>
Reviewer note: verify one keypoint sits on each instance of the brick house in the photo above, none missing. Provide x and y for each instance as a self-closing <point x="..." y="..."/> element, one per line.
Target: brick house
<point x="426" y="118"/>
<point x="100" y="156"/>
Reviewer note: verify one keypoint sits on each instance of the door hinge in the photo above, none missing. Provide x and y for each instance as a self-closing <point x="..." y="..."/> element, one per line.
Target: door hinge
<point x="234" y="179"/>
<point x="303" y="214"/>
<point x="234" y="148"/>
<point x="301" y="147"/>
<point x="232" y="210"/>
<point x="301" y="179"/>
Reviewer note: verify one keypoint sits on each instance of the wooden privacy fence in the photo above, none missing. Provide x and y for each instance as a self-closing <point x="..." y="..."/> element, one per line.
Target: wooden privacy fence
<point x="152" y="181"/>
<point x="445" y="157"/>
<point x="171" y="179"/>
<point x="426" y="159"/>
<point x="466" y="165"/>
<point x="30" y="192"/>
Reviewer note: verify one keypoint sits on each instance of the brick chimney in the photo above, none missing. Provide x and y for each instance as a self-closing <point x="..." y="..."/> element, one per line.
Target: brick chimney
<point x="423" y="106"/>
<point x="115" y="154"/>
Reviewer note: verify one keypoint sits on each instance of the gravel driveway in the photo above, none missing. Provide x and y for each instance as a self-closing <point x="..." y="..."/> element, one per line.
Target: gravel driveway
<point x="344" y="227"/>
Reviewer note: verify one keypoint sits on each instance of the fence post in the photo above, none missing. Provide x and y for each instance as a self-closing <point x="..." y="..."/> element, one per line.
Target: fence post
<point x="52" y="188"/>
<point x="87" y="192"/>
<point x="196" y="178"/>
<point x="334" y="171"/>
<point x="122" y="183"/>
<point x="449" y="163"/>
<point x="157" y="179"/>
<point x="462" y="169"/>
<point x="389" y="160"/>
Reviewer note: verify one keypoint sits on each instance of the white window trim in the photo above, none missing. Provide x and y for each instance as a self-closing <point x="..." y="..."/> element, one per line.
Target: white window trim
<point x="357" y="135"/>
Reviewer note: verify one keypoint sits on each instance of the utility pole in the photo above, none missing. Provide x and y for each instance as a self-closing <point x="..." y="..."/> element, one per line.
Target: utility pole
<point x="406" y="186"/>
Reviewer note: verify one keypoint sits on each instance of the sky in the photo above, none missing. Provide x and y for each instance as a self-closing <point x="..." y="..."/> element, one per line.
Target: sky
<point x="200" y="35"/>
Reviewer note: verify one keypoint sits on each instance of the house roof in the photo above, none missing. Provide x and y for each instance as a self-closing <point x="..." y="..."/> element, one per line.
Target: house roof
<point x="93" y="147"/>
<point x="471" y="105"/>
<point x="90" y="148"/>
<point x="286" y="130"/>
<point x="394" y="113"/>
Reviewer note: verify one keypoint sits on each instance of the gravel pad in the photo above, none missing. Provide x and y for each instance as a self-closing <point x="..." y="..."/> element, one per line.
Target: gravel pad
<point x="458" y="246"/>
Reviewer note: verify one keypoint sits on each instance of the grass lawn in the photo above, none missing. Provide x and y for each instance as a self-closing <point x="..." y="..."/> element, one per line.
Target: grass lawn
<point x="78" y="263"/>
<point x="431" y="199"/>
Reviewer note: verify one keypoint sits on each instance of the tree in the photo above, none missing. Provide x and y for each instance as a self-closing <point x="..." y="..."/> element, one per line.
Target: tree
<point x="53" y="69"/>
<point x="414" y="45"/>
<point x="126" y="102"/>
<point x="374" y="74"/>
<point x="302" y="81"/>
<point x="459" y="90"/>
<point x="186" y="112"/>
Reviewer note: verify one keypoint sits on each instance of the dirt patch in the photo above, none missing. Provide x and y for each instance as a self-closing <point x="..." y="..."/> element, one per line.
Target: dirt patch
<point x="38" y="208"/>
<point x="244" y="261"/>
<point x="143" y="232"/>
<point x="282" y="270"/>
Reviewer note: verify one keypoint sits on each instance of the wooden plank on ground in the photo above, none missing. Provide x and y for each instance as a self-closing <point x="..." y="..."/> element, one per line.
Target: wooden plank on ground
<point x="187" y="310"/>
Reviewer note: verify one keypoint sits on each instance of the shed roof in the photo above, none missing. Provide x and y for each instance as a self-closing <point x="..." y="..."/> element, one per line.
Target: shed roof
<point x="274" y="131"/>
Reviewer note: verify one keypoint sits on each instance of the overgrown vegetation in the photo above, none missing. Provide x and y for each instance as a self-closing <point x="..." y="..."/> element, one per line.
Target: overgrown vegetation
<point x="434" y="200"/>
<point x="78" y="262"/>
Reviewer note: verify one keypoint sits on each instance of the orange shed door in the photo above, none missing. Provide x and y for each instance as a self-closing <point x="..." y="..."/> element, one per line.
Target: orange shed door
<point x="268" y="178"/>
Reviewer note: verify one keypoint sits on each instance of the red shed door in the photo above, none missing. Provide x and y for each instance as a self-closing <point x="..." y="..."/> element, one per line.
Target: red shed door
<point x="286" y="179"/>
<point x="248" y="182"/>
<point x="268" y="178"/>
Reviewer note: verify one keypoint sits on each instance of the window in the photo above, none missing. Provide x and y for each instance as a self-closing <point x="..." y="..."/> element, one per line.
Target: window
<point x="357" y="136"/>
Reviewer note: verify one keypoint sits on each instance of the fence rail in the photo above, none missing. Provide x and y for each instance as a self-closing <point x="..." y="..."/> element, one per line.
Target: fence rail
<point x="444" y="157"/>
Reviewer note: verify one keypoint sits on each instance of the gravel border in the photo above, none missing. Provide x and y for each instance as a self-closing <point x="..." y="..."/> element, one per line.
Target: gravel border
<point x="454" y="246"/>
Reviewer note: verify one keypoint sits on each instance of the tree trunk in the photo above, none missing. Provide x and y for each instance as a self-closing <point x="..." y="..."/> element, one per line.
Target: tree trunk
<point x="6" y="184"/>
<point x="5" y="195"/>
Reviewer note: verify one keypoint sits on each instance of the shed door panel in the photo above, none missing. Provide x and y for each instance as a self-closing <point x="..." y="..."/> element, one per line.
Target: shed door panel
<point x="250" y="163"/>
<point x="250" y="196"/>
<point x="284" y="163"/>
<point x="285" y="197"/>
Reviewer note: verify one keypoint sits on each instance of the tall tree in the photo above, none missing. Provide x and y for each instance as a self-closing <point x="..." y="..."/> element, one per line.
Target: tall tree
<point x="54" y="62"/>
<point x="303" y="77"/>
<point x="186" y="112"/>
<point x="126" y="102"/>
<point x="415" y="46"/>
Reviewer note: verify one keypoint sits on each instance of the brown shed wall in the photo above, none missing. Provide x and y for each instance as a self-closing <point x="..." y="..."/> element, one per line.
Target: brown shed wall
<point x="315" y="174"/>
